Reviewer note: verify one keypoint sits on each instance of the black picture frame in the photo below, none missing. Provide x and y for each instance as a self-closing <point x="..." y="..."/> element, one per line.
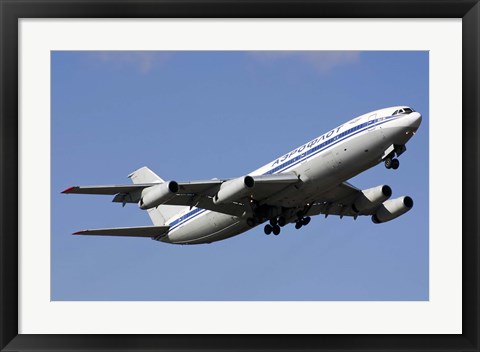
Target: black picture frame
<point x="12" y="10"/>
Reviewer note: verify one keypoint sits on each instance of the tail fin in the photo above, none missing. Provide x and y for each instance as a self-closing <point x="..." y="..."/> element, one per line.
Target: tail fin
<point x="144" y="175"/>
<point x="161" y="214"/>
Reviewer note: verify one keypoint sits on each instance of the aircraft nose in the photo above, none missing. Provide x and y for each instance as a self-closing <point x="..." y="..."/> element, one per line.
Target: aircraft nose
<point x="415" y="119"/>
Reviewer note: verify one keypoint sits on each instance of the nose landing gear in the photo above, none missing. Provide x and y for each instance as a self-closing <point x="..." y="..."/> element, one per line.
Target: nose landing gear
<point x="395" y="150"/>
<point x="392" y="163"/>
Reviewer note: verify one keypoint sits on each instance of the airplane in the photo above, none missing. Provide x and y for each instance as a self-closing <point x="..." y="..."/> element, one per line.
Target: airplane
<point x="307" y="181"/>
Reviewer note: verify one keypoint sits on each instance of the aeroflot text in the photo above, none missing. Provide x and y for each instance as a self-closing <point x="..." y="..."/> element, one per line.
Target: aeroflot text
<point x="307" y="146"/>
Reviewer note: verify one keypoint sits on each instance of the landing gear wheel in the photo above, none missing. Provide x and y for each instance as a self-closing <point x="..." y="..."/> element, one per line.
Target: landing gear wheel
<point x="306" y="221"/>
<point x="273" y="222"/>
<point x="281" y="221"/>
<point x="388" y="163"/>
<point x="276" y="230"/>
<point x="395" y="164"/>
<point x="298" y="225"/>
<point x="267" y="229"/>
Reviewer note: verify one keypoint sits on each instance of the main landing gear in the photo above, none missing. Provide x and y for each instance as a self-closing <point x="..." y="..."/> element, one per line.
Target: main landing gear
<point x="269" y="229"/>
<point x="278" y="217"/>
<point x="302" y="222"/>
<point x="275" y="224"/>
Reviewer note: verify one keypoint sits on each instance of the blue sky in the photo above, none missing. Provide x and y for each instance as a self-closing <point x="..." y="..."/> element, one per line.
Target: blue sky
<point x="200" y="115"/>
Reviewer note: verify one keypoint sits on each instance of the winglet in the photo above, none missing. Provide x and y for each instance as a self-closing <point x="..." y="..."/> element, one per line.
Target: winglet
<point x="69" y="189"/>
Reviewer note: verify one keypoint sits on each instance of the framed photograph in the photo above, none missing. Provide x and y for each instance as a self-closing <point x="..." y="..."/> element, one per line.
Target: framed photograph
<point x="94" y="92"/>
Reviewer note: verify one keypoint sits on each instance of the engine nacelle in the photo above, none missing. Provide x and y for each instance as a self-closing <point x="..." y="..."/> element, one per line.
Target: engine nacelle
<point x="392" y="209"/>
<point x="234" y="189"/>
<point x="155" y="195"/>
<point x="371" y="198"/>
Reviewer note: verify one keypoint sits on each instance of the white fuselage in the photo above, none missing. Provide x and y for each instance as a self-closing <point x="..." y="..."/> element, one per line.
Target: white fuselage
<point x="321" y="164"/>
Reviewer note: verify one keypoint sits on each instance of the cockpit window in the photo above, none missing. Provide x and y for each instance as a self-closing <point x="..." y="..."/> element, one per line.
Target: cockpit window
<point x="404" y="111"/>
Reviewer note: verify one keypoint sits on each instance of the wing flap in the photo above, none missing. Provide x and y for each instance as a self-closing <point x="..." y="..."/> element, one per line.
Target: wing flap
<point x="344" y="193"/>
<point x="339" y="209"/>
<point x="336" y="201"/>
<point x="286" y="178"/>
<point x="143" y="231"/>
<point x="206" y="188"/>
<point x="267" y="186"/>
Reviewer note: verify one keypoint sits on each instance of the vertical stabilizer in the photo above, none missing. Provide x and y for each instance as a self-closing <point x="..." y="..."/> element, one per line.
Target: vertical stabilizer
<point x="163" y="213"/>
<point x="144" y="175"/>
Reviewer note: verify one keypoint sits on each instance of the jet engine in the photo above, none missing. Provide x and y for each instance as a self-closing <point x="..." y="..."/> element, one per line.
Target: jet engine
<point x="155" y="195"/>
<point x="392" y="209"/>
<point x="234" y="189"/>
<point x="371" y="198"/>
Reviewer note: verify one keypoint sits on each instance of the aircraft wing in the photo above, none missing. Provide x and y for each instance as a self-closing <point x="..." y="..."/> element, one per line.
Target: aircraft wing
<point x="265" y="185"/>
<point x="196" y="193"/>
<point x="143" y="231"/>
<point x="108" y="189"/>
<point x="338" y="201"/>
<point x="200" y="193"/>
<point x="195" y="187"/>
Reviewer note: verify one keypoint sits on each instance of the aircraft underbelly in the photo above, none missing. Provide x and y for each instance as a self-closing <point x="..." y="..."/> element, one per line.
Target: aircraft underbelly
<point x="211" y="227"/>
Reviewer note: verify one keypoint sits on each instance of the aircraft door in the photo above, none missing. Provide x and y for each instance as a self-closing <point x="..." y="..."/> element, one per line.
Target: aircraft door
<point x="371" y="122"/>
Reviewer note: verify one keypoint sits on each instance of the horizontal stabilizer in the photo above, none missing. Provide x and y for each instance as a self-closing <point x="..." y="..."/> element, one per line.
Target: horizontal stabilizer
<point x="144" y="231"/>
